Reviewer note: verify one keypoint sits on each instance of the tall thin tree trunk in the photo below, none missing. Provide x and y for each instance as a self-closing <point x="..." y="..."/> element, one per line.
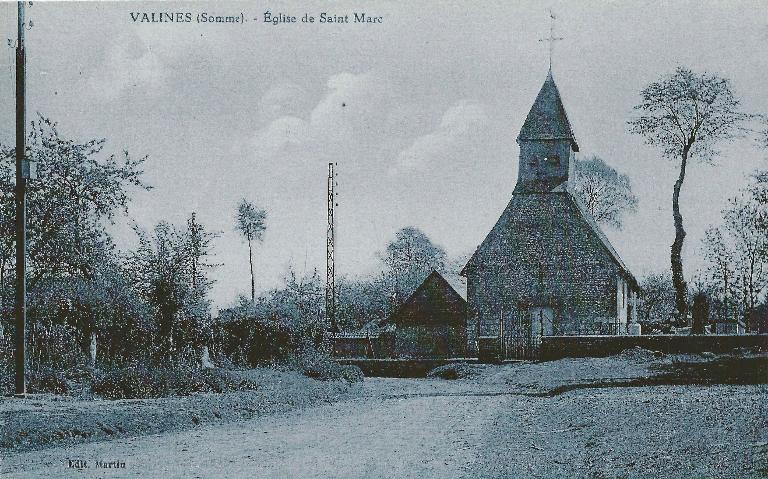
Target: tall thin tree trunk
<point x="678" y="279"/>
<point x="725" y="296"/>
<point x="2" y="298"/>
<point x="253" y="282"/>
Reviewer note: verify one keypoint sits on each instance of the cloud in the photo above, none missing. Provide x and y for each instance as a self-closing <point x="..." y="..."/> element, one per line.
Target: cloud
<point x="353" y="104"/>
<point x="284" y="99"/>
<point x="461" y="125"/>
<point x="128" y="63"/>
<point x="351" y="113"/>
<point x="280" y="134"/>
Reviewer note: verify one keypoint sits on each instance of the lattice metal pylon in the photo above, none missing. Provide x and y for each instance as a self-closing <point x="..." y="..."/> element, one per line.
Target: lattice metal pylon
<point x="330" y="281"/>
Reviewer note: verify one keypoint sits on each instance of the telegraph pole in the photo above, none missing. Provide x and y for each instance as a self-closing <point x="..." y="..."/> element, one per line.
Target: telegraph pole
<point x="22" y="173"/>
<point x="330" y="279"/>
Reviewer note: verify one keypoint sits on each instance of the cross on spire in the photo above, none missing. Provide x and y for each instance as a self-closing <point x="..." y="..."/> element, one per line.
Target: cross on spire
<point x="552" y="38"/>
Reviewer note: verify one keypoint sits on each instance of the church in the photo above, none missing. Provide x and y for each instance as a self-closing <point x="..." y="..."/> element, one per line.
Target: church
<point x="545" y="268"/>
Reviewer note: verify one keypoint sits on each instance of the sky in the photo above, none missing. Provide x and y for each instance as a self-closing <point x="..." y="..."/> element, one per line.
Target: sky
<point x="419" y="111"/>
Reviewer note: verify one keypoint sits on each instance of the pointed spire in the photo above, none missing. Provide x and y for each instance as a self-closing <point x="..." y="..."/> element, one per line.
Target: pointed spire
<point x="547" y="119"/>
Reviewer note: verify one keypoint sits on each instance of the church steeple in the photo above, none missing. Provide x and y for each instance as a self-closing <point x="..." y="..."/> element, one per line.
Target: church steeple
<point x="547" y="143"/>
<point x="547" y="119"/>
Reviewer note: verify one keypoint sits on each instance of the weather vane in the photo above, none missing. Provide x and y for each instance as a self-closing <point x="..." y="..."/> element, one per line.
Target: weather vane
<point x="552" y="38"/>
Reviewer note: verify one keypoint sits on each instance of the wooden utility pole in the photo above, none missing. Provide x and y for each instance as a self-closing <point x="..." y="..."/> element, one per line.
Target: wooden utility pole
<point x="22" y="173"/>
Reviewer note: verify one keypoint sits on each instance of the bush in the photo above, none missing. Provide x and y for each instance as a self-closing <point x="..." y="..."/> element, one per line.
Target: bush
<point x="47" y="381"/>
<point x="142" y="382"/>
<point x="38" y="381"/>
<point x="700" y="313"/>
<point x="453" y="371"/>
<point x="319" y="366"/>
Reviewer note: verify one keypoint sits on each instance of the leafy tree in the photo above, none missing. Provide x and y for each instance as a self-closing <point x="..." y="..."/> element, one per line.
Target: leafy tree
<point x="245" y="335"/>
<point x="758" y="189"/>
<point x="409" y="258"/>
<point x="250" y="222"/>
<point x="170" y="273"/>
<point x="278" y="325"/>
<point x="606" y="193"/>
<point x="687" y="114"/>
<point x="300" y="307"/>
<point x="361" y="301"/>
<point x="80" y="191"/>
<point x="745" y="221"/>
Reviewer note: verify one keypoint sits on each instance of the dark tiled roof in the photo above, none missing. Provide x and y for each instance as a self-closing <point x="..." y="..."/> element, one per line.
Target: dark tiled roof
<point x="438" y="285"/>
<point x="585" y="214"/>
<point x="547" y="119"/>
<point x="562" y="196"/>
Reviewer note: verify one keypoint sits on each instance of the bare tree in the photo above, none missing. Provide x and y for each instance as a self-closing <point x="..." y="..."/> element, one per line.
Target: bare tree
<point x="606" y="193"/>
<point x="758" y="189"/>
<point x="687" y="114"/>
<point x="722" y="273"/>
<point x="738" y="250"/>
<point x="657" y="303"/>
<point x="745" y="223"/>
<point x="250" y="221"/>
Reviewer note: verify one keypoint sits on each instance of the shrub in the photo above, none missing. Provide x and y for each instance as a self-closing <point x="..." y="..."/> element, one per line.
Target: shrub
<point x="124" y="384"/>
<point x="700" y="312"/>
<point x="143" y="382"/>
<point x="47" y="381"/>
<point x="319" y="366"/>
<point x="38" y="381"/>
<point x="452" y="371"/>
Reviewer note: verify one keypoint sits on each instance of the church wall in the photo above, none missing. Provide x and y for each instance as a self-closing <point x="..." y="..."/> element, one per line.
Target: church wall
<point x="472" y="318"/>
<point x="546" y="257"/>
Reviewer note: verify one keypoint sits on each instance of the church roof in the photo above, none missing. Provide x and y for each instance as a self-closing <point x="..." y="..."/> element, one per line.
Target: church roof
<point x="434" y="299"/>
<point x="563" y="196"/>
<point x="587" y="216"/>
<point x="547" y="119"/>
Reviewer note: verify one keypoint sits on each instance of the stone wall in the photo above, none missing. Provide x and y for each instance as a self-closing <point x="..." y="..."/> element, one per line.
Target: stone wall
<point x="380" y="346"/>
<point x="408" y="341"/>
<point x="401" y="368"/>
<point x="556" y="347"/>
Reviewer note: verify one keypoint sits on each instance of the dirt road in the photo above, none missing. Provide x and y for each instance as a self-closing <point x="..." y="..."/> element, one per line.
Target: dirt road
<point x="406" y="437"/>
<point x="404" y="428"/>
<point x="613" y="432"/>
